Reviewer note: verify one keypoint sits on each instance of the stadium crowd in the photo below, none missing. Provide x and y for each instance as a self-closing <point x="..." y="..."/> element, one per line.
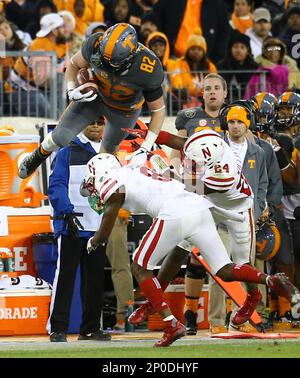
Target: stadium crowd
<point x="223" y="61"/>
<point x="244" y="38"/>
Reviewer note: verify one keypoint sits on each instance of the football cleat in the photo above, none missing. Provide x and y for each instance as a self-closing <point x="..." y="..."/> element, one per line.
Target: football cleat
<point x="244" y="313"/>
<point x="190" y="320"/>
<point x="246" y="327"/>
<point x="31" y="163"/>
<point x="58" y="337"/>
<point x="281" y="285"/>
<point x="171" y="334"/>
<point x="141" y="313"/>
<point x="214" y="329"/>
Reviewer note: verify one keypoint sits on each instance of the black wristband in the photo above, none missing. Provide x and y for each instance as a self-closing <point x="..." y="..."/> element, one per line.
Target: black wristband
<point x="282" y="159"/>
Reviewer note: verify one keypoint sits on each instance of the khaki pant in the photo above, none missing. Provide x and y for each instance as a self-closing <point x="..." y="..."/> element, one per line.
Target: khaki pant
<point x="118" y="257"/>
<point x="261" y="307"/>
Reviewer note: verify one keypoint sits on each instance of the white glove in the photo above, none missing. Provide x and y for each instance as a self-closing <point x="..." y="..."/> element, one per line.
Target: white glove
<point x="76" y="95"/>
<point x="138" y="158"/>
<point x="89" y="246"/>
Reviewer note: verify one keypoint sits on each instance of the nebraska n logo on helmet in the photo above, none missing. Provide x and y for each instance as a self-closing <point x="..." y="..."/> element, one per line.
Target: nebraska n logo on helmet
<point x="205" y="147"/>
<point x="117" y="48"/>
<point x="97" y="169"/>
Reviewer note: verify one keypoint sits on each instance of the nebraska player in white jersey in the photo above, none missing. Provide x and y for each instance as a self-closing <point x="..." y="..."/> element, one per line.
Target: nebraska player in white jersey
<point x="227" y="188"/>
<point x="220" y="169"/>
<point x="178" y="215"/>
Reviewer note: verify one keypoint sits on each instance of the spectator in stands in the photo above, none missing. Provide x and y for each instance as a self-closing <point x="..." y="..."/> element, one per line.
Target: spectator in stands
<point x="275" y="7"/>
<point x="84" y="11"/>
<point x="260" y="30"/>
<point x="149" y="24"/>
<point x="279" y="20"/>
<point x="291" y="31"/>
<point x="20" y="12"/>
<point x="281" y="71"/>
<point x="30" y="79"/>
<point x="123" y="11"/>
<point x="180" y="19"/>
<point x="74" y="40"/>
<point x="239" y="59"/>
<point x="159" y="44"/>
<point x="12" y="43"/>
<point x="187" y="74"/>
<point x="241" y="18"/>
<point x="146" y="5"/>
<point x="274" y="55"/>
<point x="43" y="7"/>
<point x="69" y="209"/>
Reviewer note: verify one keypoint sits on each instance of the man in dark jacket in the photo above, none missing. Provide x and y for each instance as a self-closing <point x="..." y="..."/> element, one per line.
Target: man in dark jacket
<point x="213" y="22"/>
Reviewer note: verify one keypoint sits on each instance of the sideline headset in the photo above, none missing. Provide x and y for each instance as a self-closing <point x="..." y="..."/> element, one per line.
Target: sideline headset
<point x="248" y="105"/>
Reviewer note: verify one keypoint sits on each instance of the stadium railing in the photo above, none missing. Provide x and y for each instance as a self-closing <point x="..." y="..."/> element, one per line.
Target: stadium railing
<point x="21" y="96"/>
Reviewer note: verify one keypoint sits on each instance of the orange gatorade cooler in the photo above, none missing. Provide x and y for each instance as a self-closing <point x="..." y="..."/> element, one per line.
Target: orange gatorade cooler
<point x="24" y="312"/>
<point x="175" y="297"/>
<point x="13" y="190"/>
<point x="18" y="225"/>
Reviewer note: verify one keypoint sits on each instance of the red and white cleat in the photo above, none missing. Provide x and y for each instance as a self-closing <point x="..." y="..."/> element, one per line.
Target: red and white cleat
<point x="281" y="285"/>
<point x="172" y="333"/>
<point x="141" y="313"/>
<point x="244" y="313"/>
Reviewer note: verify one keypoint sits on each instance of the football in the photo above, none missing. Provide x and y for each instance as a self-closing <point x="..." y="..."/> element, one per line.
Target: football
<point x="85" y="75"/>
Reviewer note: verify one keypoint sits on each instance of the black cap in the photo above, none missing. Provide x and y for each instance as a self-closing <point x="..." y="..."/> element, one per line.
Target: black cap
<point x="292" y="10"/>
<point x="237" y="37"/>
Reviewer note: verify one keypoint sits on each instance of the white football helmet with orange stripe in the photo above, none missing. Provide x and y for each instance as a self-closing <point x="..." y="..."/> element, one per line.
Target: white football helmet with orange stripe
<point x="205" y="147"/>
<point x="97" y="169"/>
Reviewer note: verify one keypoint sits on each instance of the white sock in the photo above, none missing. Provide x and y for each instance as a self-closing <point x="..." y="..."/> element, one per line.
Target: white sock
<point x="170" y="317"/>
<point x="48" y="144"/>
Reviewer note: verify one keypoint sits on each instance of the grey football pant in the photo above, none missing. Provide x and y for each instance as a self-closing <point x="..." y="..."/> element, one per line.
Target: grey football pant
<point x="79" y="115"/>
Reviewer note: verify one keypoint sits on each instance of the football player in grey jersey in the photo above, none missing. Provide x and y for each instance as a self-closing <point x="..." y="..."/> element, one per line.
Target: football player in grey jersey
<point x="128" y="74"/>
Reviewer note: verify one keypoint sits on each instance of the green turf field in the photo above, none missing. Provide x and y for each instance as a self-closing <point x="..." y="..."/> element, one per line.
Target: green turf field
<point x="197" y="349"/>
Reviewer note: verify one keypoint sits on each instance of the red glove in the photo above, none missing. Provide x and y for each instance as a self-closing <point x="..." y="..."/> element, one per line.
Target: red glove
<point x="162" y="138"/>
<point x="136" y="132"/>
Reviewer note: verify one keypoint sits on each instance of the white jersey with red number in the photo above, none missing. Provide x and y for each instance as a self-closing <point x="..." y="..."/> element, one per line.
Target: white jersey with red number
<point x="147" y="192"/>
<point x="227" y="178"/>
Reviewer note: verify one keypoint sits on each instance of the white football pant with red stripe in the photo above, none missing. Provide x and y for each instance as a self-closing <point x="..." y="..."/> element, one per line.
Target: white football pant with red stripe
<point x="198" y="228"/>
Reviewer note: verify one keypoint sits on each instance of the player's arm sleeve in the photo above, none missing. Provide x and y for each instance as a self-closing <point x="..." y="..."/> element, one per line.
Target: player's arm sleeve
<point x="153" y="94"/>
<point x="219" y="182"/>
<point x="180" y="120"/>
<point x="58" y="192"/>
<point x="152" y="82"/>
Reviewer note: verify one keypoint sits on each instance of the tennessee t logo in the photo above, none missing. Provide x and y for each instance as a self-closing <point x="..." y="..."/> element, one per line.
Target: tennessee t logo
<point x="251" y="163"/>
<point x="128" y="42"/>
<point x="261" y="246"/>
